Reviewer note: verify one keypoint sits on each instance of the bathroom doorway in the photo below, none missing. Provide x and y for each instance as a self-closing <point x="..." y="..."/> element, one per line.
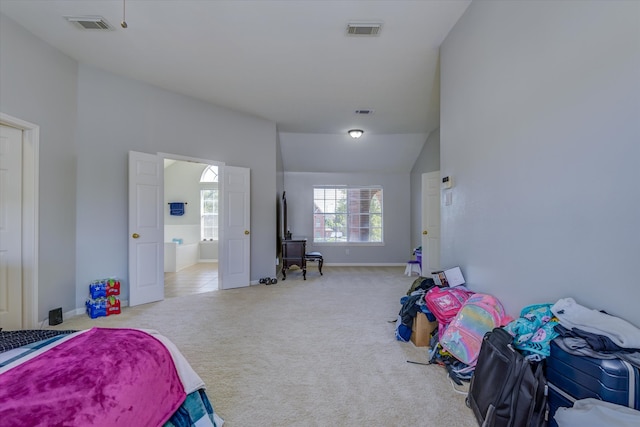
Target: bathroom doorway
<point x="190" y="227"/>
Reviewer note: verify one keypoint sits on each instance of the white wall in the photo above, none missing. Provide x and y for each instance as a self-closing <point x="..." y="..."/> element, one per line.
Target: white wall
<point x="540" y="129"/>
<point x="396" y="249"/>
<point x="38" y="84"/>
<point x="116" y="115"/>
<point x="89" y="120"/>
<point x="182" y="184"/>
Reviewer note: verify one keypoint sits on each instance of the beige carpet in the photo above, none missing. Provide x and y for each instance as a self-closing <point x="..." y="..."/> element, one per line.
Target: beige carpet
<point x="319" y="352"/>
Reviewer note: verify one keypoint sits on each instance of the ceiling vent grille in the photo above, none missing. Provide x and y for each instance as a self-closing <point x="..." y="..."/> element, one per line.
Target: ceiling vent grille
<point x="89" y="22"/>
<point x="363" y="29"/>
<point x="364" y="112"/>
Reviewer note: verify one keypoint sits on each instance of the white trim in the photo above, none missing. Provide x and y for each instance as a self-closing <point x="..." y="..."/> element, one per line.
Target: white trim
<point x="30" y="233"/>
<point x="352" y="244"/>
<point x="365" y="264"/>
<point x="190" y="159"/>
<point x="73" y="313"/>
<point x="79" y="311"/>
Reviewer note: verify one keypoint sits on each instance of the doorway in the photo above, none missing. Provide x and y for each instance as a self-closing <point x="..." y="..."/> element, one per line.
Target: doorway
<point x="147" y="207"/>
<point x="191" y="250"/>
<point x="26" y="210"/>
<point x="430" y="222"/>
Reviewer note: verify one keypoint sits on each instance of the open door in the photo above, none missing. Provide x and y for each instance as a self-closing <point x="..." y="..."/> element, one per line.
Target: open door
<point x="235" y="230"/>
<point x="430" y="222"/>
<point x="10" y="228"/>
<point x="146" y="229"/>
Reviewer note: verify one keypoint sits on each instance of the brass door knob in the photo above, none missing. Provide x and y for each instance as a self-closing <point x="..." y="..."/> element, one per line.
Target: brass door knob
<point x="246" y="231"/>
<point x="135" y="235"/>
<point x="425" y="232"/>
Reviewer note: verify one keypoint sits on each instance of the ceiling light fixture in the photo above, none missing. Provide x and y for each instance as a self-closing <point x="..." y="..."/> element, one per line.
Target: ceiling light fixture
<point x="123" y="24"/>
<point x="355" y="133"/>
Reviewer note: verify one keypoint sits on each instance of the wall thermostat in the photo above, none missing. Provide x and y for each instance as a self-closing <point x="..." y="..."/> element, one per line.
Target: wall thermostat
<point x="447" y="182"/>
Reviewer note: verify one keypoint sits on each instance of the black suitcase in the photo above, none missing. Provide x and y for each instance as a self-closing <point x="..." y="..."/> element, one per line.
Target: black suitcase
<point x="572" y="377"/>
<point x="506" y="390"/>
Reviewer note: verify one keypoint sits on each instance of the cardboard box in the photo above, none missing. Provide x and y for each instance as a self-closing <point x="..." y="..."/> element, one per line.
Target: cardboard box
<point x="421" y="330"/>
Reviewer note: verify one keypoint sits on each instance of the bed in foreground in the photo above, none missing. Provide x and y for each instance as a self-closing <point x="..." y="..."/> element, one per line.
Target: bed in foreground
<point x="99" y="377"/>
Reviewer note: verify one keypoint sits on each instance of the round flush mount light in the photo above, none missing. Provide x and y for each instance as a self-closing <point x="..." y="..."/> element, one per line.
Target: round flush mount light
<point x="355" y="133"/>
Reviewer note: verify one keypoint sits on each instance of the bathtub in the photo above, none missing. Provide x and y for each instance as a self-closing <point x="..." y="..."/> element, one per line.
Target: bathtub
<point x="177" y="257"/>
<point x="208" y="251"/>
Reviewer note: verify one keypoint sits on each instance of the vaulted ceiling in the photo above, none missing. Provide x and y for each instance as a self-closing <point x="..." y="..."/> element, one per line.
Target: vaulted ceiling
<point x="289" y="61"/>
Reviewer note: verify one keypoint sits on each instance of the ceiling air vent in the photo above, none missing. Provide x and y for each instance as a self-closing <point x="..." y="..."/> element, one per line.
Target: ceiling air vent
<point x="364" y="112"/>
<point x="363" y="29"/>
<point x="90" y="22"/>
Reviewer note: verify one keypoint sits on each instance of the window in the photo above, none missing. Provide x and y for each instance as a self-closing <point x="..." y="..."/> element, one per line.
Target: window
<point x="347" y="214"/>
<point x="209" y="203"/>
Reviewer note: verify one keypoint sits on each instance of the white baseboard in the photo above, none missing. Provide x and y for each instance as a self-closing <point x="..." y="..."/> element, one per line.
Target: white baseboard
<point x="67" y="314"/>
<point x="76" y="312"/>
<point x="362" y="264"/>
<point x="72" y="313"/>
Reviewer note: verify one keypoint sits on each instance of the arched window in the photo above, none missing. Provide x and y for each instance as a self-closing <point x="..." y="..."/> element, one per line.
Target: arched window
<point x="209" y="203"/>
<point x="209" y="174"/>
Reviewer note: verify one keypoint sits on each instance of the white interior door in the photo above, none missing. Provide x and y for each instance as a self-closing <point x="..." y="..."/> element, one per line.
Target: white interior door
<point x="430" y="222"/>
<point x="236" y="232"/>
<point x="10" y="228"/>
<point x="146" y="229"/>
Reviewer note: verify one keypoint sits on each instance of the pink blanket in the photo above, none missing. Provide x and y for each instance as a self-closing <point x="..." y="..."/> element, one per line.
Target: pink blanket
<point x="103" y="377"/>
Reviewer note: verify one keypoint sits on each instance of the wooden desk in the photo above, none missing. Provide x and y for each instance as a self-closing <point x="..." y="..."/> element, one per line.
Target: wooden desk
<point x="293" y="253"/>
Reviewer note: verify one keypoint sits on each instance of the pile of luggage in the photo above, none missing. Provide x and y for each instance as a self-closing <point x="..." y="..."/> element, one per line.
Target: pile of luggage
<point x="557" y="364"/>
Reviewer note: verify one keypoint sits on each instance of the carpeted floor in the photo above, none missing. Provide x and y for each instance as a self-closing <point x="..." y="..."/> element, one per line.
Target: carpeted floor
<point x="319" y="352"/>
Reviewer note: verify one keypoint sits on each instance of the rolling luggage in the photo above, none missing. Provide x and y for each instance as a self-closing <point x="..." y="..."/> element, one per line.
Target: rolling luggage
<point x="572" y="377"/>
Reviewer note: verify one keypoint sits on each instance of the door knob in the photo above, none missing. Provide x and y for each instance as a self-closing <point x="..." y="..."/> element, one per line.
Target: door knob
<point x="425" y="232"/>
<point x="135" y="235"/>
<point x="246" y="231"/>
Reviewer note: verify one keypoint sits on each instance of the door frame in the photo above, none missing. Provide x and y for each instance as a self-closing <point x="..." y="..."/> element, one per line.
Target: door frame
<point x="220" y="165"/>
<point x="30" y="212"/>
<point x="427" y="254"/>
